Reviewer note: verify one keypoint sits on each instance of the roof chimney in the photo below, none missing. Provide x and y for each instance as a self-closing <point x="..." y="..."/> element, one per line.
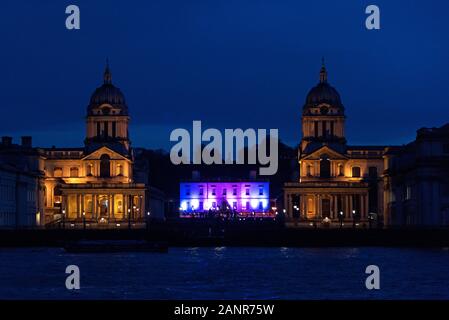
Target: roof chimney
<point x="196" y="175"/>
<point x="6" y="141"/>
<point x="253" y="175"/>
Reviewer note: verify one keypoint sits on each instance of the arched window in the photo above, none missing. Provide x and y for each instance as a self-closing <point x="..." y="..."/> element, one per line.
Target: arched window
<point x="340" y="170"/>
<point x="89" y="170"/>
<point x="356" y="172"/>
<point x="74" y="172"/>
<point x="105" y="166"/>
<point x="325" y="167"/>
<point x="309" y="170"/>
<point x="57" y="172"/>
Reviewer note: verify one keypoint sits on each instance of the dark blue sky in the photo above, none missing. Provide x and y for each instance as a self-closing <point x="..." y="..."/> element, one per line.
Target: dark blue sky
<point x="228" y="63"/>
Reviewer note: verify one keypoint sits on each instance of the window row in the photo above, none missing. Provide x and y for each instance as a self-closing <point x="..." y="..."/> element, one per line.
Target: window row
<point x="105" y="171"/>
<point x="7" y="193"/>
<point x="214" y="205"/>
<point x="325" y="170"/>
<point x="225" y="191"/>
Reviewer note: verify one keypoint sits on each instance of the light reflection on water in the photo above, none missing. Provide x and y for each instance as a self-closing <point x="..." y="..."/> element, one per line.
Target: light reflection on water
<point x="227" y="273"/>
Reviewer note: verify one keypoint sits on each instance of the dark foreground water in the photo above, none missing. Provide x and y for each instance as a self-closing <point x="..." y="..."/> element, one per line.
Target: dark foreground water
<point x="227" y="273"/>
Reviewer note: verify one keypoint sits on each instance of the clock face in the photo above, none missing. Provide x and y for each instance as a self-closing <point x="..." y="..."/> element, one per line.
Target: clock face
<point x="324" y="110"/>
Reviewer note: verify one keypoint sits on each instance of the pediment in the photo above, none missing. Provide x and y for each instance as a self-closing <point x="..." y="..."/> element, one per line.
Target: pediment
<point x="96" y="155"/>
<point x="325" y="150"/>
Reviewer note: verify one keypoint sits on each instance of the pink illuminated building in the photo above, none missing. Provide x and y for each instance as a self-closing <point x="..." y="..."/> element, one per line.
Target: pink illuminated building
<point x="243" y="198"/>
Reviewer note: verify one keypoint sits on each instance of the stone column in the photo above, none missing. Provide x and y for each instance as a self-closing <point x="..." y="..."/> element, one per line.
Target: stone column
<point x="142" y="206"/>
<point x="125" y="205"/>
<point x="366" y="205"/>
<point x="351" y="207"/>
<point x="332" y="202"/>
<point x="109" y="206"/>
<point x="78" y="206"/>
<point x="82" y="204"/>
<point x="112" y="207"/>
<point x="94" y="206"/>
<point x="336" y="206"/>
<point x="362" y="206"/>
<point x="347" y="207"/>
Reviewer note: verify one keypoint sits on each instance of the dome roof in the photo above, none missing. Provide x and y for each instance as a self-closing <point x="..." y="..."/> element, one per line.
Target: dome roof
<point x="108" y="94"/>
<point x="323" y="92"/>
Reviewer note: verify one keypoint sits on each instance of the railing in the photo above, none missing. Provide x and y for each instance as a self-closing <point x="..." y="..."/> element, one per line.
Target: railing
<point x="104" y="185"/>
<point x="313" y="184"/>
<point x="54" y="224"/>
<point x="96" y="224"/>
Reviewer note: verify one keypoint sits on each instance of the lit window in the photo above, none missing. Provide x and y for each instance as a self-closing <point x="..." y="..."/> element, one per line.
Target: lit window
<point x="57" y="172"/>
<point x="309" y="170"/>
<point x="356" y="172"/>
<point x="89" y="169"/>
<point x="340" y="170"/>
<point x="74" y="172"/>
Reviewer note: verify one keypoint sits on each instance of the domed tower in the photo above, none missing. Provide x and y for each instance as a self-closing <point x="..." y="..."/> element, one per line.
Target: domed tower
<point x="323" y="117"/>
<point x="107" y="118"/>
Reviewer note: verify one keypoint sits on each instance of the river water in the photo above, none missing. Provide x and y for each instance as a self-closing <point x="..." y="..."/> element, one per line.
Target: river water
<point x="227" y="273"/>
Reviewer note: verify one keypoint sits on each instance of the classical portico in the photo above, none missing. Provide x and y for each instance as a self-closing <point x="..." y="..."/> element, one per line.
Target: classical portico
<point x="104" y="203"/>
<point x="320" y="200"/>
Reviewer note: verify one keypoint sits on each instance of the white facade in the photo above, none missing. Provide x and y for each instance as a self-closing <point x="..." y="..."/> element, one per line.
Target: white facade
<point x="20" y="206"/>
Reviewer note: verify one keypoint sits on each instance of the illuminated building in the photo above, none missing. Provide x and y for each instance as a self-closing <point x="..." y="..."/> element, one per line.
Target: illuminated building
<point x="336" y="180"/>
<point x="21" y="184"/>
<point x="95" y="183"/>
<point x="416" y="180"/>
<point x="246" y="198"/>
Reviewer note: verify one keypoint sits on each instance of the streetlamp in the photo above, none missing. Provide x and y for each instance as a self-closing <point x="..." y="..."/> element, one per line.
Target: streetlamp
<point x="63" y="218"/>
<point x="84" y="220"/>
<point x="148" y="220"/>
<point x="353" y="219"/>
<point x="129" y="218"/>
<point x="340" y="218"/>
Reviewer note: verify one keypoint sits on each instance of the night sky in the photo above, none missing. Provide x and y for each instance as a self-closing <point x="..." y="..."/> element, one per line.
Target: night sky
<point x="229" y="63"/>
